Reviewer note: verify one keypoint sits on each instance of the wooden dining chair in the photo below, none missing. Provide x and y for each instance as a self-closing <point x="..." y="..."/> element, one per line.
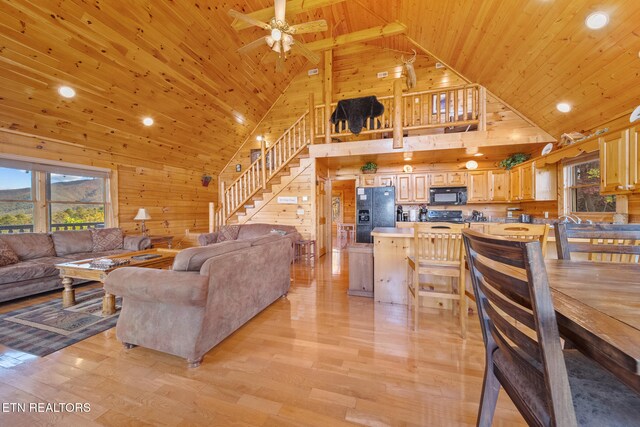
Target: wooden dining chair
<point x="606" y="242"/>
<point x="436" y="249"/>
<point x="548" y="385"/>
<point x="521" y="231"/>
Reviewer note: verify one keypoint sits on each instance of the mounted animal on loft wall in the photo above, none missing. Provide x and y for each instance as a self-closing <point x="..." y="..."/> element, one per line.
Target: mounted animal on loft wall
<point x="409" y="71"/>
<point x="356" y="111"/>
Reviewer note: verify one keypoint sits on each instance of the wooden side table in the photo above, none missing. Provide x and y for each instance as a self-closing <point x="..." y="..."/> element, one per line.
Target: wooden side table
<point x="161" y="241"/>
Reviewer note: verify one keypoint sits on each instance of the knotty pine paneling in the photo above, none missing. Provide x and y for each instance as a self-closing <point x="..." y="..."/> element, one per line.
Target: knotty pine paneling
<point x="634" y="208"/>
<point x="285" y="214"/>
<point x="173" y="196"/>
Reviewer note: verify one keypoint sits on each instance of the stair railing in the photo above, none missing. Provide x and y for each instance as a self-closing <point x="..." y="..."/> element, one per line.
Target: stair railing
<point x="273" y="159"/>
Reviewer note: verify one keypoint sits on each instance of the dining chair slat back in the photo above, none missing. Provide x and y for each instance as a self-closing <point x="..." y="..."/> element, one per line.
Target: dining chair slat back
<point x="617" y="243"/>
<point x="519" y="329"/>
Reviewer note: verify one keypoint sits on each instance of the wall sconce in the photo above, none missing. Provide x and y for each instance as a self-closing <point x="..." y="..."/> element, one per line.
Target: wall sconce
<point x="471" y="164"/>
<point x="206" y="179"/>
<point x="238" y="167"/>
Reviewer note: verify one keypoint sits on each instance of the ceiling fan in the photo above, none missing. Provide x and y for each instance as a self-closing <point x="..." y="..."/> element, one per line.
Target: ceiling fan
<point x="280" y="38"/>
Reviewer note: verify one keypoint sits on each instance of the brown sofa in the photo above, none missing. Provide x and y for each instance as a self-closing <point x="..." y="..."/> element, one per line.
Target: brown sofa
<point x="250" y="231"/>
<point x="211" y="292"/>
<point x="39" y="252"/>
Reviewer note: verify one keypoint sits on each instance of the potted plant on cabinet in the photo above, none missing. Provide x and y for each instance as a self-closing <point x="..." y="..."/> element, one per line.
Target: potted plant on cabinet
<point x="369" y="167"/>
<point x="513" y="160"/>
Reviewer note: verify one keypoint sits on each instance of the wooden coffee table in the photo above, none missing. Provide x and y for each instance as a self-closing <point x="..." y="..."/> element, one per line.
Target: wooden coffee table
<point x="82" y="270"/>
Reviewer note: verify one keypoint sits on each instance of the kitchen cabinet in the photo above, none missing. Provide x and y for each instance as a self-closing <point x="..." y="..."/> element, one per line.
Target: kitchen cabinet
<point x="420" y="187"/>
<point x="404" y="193"/>
<point x="448" y="179"/>
<point x="498" y="185"/>
<point x="385" y="180"/>
<point x="488" y="186"/>
<point x="620" y="162"/>
<point x="477" y="186"/>
<point x="529" y="183"/>
<point x="515" y="185"/>
<point x="527" y="180"/>
<point x="367" y="180"/>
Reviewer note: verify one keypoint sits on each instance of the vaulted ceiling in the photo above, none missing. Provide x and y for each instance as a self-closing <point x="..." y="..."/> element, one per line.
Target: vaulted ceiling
<point x="177" y="62"/>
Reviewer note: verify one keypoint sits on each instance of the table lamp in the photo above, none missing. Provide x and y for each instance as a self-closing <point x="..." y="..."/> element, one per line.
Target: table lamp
<point x="142" y="215"/>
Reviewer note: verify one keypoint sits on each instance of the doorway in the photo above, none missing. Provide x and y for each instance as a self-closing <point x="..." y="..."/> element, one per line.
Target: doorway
<point x="343" y="213"/>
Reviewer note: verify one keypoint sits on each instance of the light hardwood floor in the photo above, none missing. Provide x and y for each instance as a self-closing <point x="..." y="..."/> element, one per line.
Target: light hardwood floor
<point x="317" y="357"/>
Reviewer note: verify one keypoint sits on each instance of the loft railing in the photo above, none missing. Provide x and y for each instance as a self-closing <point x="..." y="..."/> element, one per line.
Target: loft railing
<point x="439" y="108"/>
<point x="271" y="161"/>
<point x="11" y="229"/>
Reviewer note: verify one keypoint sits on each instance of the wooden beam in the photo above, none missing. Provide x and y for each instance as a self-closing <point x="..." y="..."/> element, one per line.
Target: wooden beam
<point x="312" y="119"/>
<point x="430" y="142"/>
<point x="358" y="36"/>
<point x="327" y="90"/>
<point x="294" y="7"/>
<point x="397" y="113"/>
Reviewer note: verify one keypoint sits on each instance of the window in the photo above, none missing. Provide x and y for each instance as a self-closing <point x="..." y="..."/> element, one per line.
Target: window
<point x="16" y="200"/>
<point x="583" y="188"/>
<point x="75" y="202"/>
<point x="40" y="197"/>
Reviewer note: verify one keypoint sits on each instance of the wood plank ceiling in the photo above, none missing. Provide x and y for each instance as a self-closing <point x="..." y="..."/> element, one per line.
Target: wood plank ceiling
<point x="176" y="62"/>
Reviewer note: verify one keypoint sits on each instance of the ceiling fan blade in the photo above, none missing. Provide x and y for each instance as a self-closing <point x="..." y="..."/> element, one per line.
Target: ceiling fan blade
<point x="309" y="27"/>
<point x="280" y="6"/>
<point x="249" y="20"/>
<point x="253" y="45"/>
<point x="280" y="63"/>
<point x="300" y="48"/>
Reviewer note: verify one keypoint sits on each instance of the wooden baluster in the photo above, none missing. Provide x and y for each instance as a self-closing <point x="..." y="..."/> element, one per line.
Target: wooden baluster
<point x="397" y="114"/>
<point x="224" y="196"/>
<point x="429" y="109"/>
<point x="455" y="106"/>
<point x="312" y="125"/>
<point x="465" y="103"/>
<point x="482" y="109"/>
<point x="263" y="163"/>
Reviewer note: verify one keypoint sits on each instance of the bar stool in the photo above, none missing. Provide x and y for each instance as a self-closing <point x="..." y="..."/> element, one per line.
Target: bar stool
<point x="305" y="249"/>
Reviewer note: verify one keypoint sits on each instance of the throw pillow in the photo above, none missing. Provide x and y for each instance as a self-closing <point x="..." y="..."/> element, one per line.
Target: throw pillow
<point x="7" y="255"/>
<point x="106" y="239"/>
<point x="228" y="232"/>
<point x="280" y="232"/>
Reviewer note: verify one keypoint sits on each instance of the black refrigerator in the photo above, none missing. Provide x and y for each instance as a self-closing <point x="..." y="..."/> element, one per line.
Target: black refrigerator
<point x="375" y="207"/>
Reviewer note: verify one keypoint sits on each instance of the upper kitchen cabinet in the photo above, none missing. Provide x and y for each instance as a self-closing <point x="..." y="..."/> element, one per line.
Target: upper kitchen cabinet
<point x="448" y="179"/>
<point x="515" y="185"/>
<point x="420" y="185"/>
<point x="477" y="187"/>
<point x="498" y="185"/>
<point x="620" y="162"/>
<point x="367" y="180"/>
<point x="404" y="189"/>
<point x="385" y="180"/>
<point x="531" y="183"/>
<point x="488" y="186"/>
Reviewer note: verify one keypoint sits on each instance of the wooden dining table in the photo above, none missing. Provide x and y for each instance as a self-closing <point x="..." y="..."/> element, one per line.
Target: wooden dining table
<point x="598" y="310"/>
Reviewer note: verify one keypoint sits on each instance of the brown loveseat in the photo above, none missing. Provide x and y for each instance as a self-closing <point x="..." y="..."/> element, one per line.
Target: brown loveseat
<point x="37" y="254"/>
<point x="250" y="231"/>
<point x="211" y="292"/>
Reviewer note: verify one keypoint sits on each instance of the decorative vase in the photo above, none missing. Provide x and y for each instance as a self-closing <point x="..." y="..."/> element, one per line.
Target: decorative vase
<point x="370" y="171"/>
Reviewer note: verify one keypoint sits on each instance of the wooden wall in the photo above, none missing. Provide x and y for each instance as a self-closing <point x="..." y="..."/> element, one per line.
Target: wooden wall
<point x="174" y="197"/>
<point x="287" y="214"/>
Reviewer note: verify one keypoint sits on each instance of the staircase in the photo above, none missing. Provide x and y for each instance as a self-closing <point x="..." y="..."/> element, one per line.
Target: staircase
<point x="278" y="165"/>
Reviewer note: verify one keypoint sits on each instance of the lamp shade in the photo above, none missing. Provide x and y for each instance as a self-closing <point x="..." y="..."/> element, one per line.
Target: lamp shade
<point x="142" y="215"/>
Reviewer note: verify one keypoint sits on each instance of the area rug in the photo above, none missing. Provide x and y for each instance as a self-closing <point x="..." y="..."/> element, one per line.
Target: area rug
<point x="44" y="328"/>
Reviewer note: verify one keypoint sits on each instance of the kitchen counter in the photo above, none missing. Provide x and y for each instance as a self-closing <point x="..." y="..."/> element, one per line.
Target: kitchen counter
<point x="393" y="231"/>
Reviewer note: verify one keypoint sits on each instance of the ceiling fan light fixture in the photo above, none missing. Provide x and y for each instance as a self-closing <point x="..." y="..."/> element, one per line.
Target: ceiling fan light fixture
<point x="276" y="34"/>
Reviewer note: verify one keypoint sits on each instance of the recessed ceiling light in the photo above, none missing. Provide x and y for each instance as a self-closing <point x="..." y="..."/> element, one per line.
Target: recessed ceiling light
<point x="478" y="155"/>
<point x="66" y="91"/>
<point x="472" y="164"/>
<point x="408" y="156"/>
<point x="147" y="121"/>
<point x="597" y="20"/>
<point x="563" y="107"/>
<point x="259" y="138"/>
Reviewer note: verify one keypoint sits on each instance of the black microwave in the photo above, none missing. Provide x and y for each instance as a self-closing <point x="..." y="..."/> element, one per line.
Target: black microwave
<point x="448" y="196"/>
